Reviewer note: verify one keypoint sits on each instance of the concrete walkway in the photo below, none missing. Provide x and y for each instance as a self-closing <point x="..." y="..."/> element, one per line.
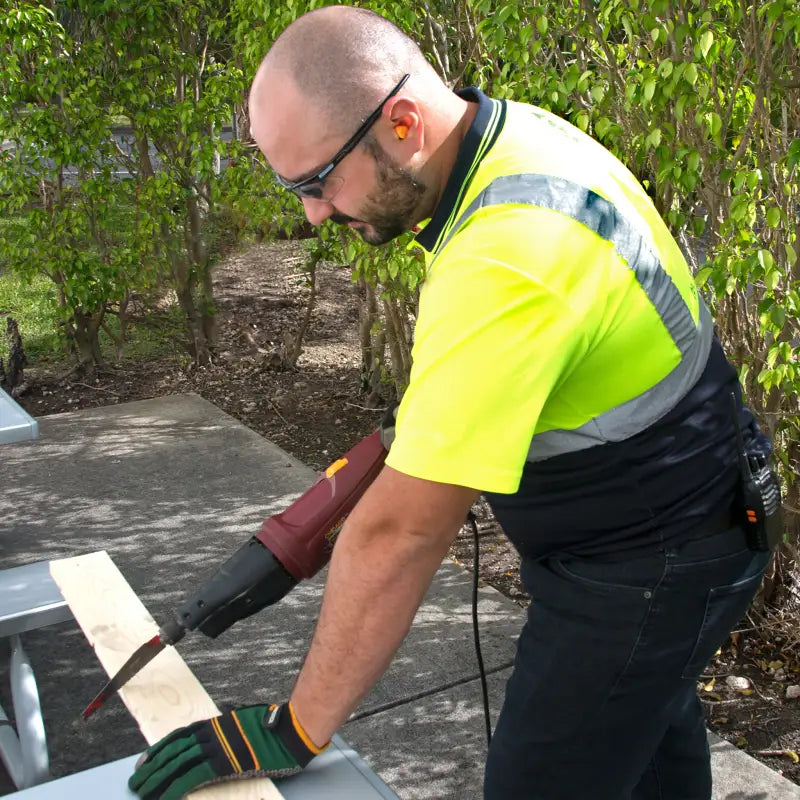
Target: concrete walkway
<point x="170" y="487"/>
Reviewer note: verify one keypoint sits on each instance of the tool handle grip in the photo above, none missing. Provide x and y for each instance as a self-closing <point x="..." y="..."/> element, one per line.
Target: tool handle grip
<point x="249" y="580"/>
<point x="302" y="536"/>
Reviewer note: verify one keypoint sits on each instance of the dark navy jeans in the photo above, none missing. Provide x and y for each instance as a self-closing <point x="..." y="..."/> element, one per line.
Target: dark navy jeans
<point x="602" y="701"/>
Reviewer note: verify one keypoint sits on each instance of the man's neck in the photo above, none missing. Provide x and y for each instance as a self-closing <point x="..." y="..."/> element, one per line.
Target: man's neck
<point x="444" y="157"/>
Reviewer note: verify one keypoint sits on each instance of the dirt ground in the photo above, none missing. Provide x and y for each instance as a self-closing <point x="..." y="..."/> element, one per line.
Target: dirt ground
<point x="316" y="413"/>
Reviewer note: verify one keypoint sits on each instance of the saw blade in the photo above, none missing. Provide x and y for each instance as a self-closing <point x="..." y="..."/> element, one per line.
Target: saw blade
<point x="140" y="658"/>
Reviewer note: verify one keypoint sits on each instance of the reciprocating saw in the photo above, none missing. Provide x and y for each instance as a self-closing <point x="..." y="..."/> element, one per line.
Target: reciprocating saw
<point x="291" y="546"/>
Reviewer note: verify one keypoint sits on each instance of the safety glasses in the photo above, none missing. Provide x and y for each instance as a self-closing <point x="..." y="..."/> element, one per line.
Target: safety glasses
<point x="322" y="185"/>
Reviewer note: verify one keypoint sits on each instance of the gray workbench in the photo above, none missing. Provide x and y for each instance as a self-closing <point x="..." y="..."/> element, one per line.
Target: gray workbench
<point x="337" y="774"/>
<point x="16" y="425"/>
<point x="24" y="753"/>
<point x="29" y="599"/>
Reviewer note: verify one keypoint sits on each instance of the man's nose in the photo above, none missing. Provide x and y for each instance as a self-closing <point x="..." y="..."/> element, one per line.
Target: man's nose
<point x="317" y="211"/>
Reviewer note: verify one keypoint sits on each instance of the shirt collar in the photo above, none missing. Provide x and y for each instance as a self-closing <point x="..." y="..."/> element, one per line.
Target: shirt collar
<point x="480" y="136"/>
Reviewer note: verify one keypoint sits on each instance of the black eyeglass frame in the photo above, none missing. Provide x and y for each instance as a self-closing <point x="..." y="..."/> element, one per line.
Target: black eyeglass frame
<point x="318" y="179"/>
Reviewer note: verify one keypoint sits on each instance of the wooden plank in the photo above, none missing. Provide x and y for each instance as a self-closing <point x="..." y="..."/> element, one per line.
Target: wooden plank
<point x="165" y="695"/>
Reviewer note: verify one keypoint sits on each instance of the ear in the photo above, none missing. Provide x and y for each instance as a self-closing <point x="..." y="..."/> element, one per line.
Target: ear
<point x="404" y="119"/>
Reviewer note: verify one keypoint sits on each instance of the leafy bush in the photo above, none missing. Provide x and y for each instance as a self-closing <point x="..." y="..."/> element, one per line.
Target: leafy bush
<point x="699" y="99"/>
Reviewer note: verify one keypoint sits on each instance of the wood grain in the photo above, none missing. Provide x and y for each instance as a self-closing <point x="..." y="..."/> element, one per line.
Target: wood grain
<point x="165" y="695"/>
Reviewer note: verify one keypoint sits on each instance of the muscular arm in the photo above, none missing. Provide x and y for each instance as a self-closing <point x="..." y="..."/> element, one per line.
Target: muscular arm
<point x="384" y="560"/>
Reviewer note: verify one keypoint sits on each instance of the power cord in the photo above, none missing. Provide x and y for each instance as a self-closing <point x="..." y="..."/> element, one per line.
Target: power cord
<point x="475" y="632"/>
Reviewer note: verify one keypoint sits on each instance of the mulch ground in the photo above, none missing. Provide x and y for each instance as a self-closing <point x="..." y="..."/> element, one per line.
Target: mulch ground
<point x="316" y="413"/>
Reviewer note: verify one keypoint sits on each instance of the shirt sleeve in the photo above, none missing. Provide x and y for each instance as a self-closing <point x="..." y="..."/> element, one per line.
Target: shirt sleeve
<point x="492" y="344"/>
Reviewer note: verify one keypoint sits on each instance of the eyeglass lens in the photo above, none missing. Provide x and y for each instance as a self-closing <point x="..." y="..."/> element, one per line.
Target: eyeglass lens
<point x="320" y="190"/>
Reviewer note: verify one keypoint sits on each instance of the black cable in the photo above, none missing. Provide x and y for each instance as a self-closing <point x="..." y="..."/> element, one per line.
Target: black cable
<point x="475" y="632"/>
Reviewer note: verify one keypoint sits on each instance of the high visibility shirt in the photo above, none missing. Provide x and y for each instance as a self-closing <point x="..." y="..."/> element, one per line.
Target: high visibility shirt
<point x="559" y="324"/>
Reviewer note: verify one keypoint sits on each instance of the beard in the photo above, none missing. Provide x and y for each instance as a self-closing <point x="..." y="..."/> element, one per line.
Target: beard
<point x="391" y="209"/>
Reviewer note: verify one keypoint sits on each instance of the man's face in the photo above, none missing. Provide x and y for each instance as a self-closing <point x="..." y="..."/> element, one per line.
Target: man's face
<point x="367" y="191"/>
<point x="389" y="208"/>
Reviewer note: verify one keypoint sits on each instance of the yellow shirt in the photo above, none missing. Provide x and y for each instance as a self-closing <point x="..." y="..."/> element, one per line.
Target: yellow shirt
<point x="530" y="321"/>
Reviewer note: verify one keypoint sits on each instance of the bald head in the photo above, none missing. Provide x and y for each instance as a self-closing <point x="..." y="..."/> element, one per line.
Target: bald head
<point x="329" y="72"/>
<point x="343" y="60"/>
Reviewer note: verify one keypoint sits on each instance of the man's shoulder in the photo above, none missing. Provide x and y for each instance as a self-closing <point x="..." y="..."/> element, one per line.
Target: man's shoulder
<point x="536" y="140"/>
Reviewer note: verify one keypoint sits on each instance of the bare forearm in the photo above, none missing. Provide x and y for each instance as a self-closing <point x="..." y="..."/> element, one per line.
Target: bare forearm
<point x="372" y="594"/>
<point x="379" y="573"/>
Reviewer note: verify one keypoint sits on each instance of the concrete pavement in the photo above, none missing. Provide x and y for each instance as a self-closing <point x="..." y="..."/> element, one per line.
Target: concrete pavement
<point x="170" y="487"/>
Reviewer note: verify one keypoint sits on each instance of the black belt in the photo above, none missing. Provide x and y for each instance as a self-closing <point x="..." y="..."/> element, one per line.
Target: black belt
<point x="716" y="523"/>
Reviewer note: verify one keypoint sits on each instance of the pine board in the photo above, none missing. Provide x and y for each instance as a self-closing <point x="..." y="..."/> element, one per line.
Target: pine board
<point x="165" y="695"/>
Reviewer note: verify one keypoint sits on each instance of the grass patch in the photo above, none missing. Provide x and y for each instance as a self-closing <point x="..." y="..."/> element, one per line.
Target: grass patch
<point x="32" y="303"/>
<point x="160" y="338"/>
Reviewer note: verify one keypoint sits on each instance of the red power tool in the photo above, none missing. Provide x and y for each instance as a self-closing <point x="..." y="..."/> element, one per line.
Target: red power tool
<point x="290" y="546"/>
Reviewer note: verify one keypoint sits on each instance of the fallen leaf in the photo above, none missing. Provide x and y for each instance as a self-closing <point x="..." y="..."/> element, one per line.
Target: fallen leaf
<point x="720" y="721"/>
<point x="741" y="742"/>
<point x="791" y="754"/>
<point x="710" y="685"/>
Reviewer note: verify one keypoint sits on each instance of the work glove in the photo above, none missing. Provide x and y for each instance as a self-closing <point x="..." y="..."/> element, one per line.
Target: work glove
<point x="387" y="426"/>
<point x="249" y="742"/>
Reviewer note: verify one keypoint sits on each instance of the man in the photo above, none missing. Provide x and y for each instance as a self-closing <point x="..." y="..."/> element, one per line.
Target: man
<point x="565" y="366"/>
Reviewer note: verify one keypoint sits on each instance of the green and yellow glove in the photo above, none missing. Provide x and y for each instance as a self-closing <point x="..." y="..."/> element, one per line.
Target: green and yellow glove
<point x="249" y="742"/>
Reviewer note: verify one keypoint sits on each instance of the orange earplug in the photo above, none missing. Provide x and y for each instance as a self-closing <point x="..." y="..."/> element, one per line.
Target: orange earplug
<point x="401" y="131"/>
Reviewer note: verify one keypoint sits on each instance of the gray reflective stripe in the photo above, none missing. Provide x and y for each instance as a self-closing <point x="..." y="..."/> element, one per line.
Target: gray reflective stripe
<point x="693" y="341"/>
<point x="637" y="414"/>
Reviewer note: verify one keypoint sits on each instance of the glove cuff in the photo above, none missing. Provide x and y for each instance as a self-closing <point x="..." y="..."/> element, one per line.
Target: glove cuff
<point x="282" y="721"/>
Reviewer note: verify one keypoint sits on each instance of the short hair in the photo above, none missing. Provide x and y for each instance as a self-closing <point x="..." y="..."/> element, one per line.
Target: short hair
<point x="344" y="60"/>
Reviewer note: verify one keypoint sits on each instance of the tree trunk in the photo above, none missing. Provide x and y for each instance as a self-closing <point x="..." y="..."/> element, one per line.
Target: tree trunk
<point x="397" y="335"/>
<point x="84" y="329"/>
<point x="199" y="315"/>
<point x="400" y="362"/>
<point x="208" y="310"/>
<point x="375" y="386"/>
<point x="123" y="325"/>
<point x="13" y="375"/>
<point x="293" y="344"/>
<point x="372" y="337"/>
<point x="197" y="342"/>
<point x="241" y="115"/>
<point x="368" y="316"/>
